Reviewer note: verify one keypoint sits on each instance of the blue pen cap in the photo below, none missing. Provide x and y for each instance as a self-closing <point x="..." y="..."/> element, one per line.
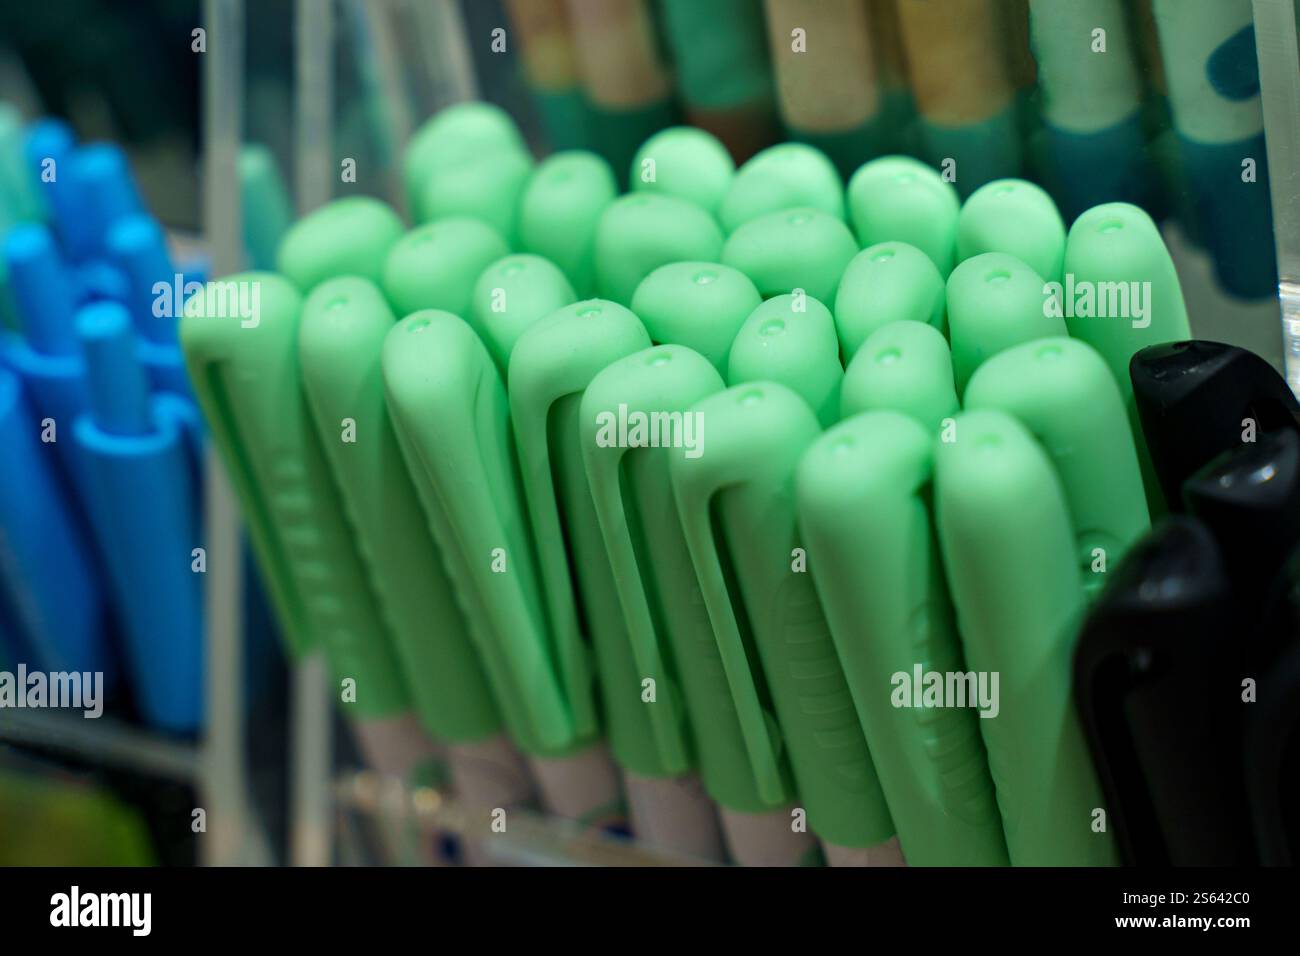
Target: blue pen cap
<point x="44" y="290"/>
<point x="49" y="149"/>
<point x="102" y="184"/>
<point x="138" y="246"/>
<point x="119" y="389"/>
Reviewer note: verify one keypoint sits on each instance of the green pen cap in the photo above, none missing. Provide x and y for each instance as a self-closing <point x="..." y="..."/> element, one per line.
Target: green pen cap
<point x="784" y="176"/>
<point x="885" y="283"/>
<point x="559" y="209"/>
<point x="640" y="232"/>
<point x="995" y="301"/>
<point x="863" y="492"/>
<point x="452" y="419"/>
<point x="349" y="236"/>
<point x="1061" y="390"/>
<point x="685" y="162"/>
<point x="1009" y="554"/>
<point x="901" y="199"/>
<point x="487" y="188"/>
<point x="265" y="201"/>
<point x="1016" y="217"/>
<point x="701" y="305"/>
<point x="340" y="340"/>
<point x="435" y="266"/>
<point x="791" y="340"/>
<point x="551" y="367"/>
<point x="667" y="621"/>
<point x="455" y="136"/>
<point x="1115" y="256"/>
<point x="906" y="367"/>
<point x="736" y="504"/>
<point x="510" y="296"/>
<point x="245" y="373"/>
<point x="800" y="248"/>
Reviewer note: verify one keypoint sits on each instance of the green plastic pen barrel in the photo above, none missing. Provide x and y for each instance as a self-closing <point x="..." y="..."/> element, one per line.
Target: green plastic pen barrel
<point x="863" y="493"/>
<point x="1047" y="385"/>
<point x="245" y="372"/>
<point x="661" y="599"/>
<point x="736" y="504"/>
<point x="1009" y="554"/>
<point x="340" y="340"/>
<point x="451" y="418"/>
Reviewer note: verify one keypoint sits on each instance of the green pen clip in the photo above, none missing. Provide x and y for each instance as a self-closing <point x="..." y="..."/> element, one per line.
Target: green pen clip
<point x="245" y="372"/>
<point x="736" y="504"/>
<point x="1009" y="555"/>
<point x="550" y="368"/>
<point x="863" y="497"/>
<point x="340" y="339"/>
<point x="790" y="339"/>
<point x="656" y="583"/>
<point x="1046" y="384"/>
<point x="452" y="420"/>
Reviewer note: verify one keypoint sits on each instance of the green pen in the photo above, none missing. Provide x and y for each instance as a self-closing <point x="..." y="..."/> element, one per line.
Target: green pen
<point x="1009" y="554"/>
<point x="351" y="236"/>
<point x="995" y="301"/>
<point x="245" y="371"/>
<point x="884" y="283"/>
<point x="1016" y="217"/>
<point x="791" y="340"/>
<point x="701" y="305"/>
<point x="904" y="366"/>
<point x="266" y="207"/>
<point x="1120" y="293"/>
<point x="736" y="505"/>
<point x="667" y="622"/>
<point x="898" y="198"/>
<point x="435" y="266"/>
<point x="863" y="500"/>
<point x="550" y="368"/>
<point x="1045" y="384"/>
<point x="559" y="210"/>
<point x="510" y="296"/>
<point x="799" y="248"/>
<point x="340" y="337"/>
<point x="684" y="162"/>
<point x="451" y="416"/>
<point x="456" y="136"/>
<point x="782" y="177"/>
<point x="642" y="231"/>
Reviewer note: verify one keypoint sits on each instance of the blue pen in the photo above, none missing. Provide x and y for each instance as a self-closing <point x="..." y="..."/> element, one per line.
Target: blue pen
<point x="46" y="563"/>
<point x="48" y="149"/>
<point x="46" y="355"/>
<point x="143" y="506"/>
<point x="138" y="246"/>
